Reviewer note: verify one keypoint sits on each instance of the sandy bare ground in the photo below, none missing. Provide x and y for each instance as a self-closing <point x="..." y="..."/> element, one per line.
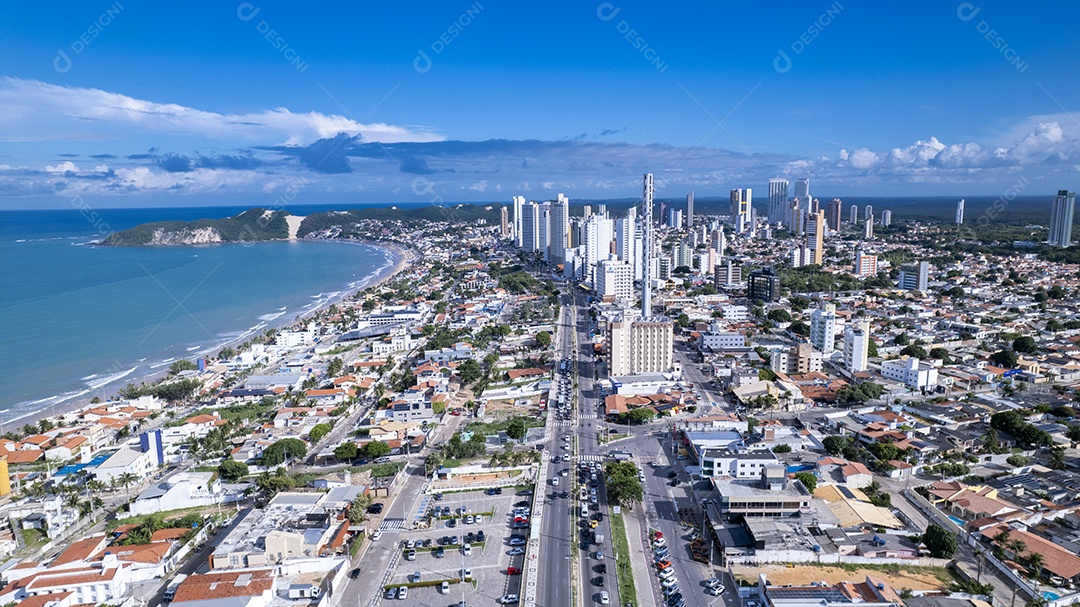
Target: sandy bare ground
<point x="802" y="575"/>
<point x="294" y="222"/>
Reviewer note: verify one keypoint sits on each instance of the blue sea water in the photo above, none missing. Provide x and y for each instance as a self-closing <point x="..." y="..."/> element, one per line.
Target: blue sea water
<point x="80" y="320"/>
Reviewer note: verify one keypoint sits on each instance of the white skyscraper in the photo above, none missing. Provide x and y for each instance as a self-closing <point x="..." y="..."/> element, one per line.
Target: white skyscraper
<point x="615" y="282"/>
<point x="560" y="229"/>
<point x="802" y="190"/>
<point x="690" y="210"/>
<point x="625" y="235"/>
<point x="857" y="346"/>
<point x="886" y="218"/>
<point x="741" y="201"/>
<point x="823" y="329"/>
<point x="530" y="227"/>
<point x="647" y="208"/>
<point x="599" y="232"/>
<point x="854" y="217"/>
<point x="640" y="346"/>
<point x="543" y="231"/>
<point x="869" y="210"/>
<point x="519" y="202"/>
<point x="1061" y="218"/>
<point x="960" y="212"/>
<point x="868" y="227"/>
<point x="778" y="201"/>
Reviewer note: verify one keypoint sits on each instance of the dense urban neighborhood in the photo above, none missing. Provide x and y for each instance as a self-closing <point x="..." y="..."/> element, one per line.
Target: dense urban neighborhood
<point x="561" y="404"/>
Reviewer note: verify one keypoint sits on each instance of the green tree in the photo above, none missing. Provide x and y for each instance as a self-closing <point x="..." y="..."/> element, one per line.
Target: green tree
<point x="941" y="354"/>
<point x="1054" y="326"/>
<point x="940" y="542"/>
<point x="914" y="350"/>
<point x="641" y="415"/>
<point x="318" y="431"/>
<point x="1025" y="344"/>
<point x="683" y="320"/>
<point x="181" y="365"/>
<point x="623" y="486"/>
<point x="766" y="375"/>
<point x="516" y="428"/>
<point x="779" y="315"/>
<point x="374" y="449"/>
<point x="1005" y="358"/>
<point x="335" y="366"/>
<point x="807" y="479"/>
<point x="543" y="339"/>
<point x="232" y="470"/>
<point x="469" y="371"/>
<point x="835" y="444"/>
<point x="902" y="340"/>
<point x="1016" y="460"/>
<point x="287" y="448"/>
<point x="871" y="348"/>
<point x="345" y="452"/>
<point x="226" y="353"/>
<point x="782" y="448"/>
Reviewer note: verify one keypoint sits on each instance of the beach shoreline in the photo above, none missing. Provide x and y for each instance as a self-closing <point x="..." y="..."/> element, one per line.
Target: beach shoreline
<point x="403" y="257"/>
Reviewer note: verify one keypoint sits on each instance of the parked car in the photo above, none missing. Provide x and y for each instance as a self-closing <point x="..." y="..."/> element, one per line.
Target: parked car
<point x="411" y="555"/>
<point x="440" y="552"/>
<point x="466" y="549"/>
<point x="376" y="535"/>
<point x="376" y="508"/>
<point x="517" y="540"/>
<point x="605" y="598"/>
<point x="515" y="551"/>
<point x="391" y="593"/>
<point x="403" y="592"/>
<point x="508" y="599"/>
<point x="513" y="571"/>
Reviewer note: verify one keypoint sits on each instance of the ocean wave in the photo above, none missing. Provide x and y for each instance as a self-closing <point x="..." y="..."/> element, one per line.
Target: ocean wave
<point x="97" y="381"/>
<point x="273" y="316"/>
<point x="193" y="348"/>
<point x="167" y="361"/>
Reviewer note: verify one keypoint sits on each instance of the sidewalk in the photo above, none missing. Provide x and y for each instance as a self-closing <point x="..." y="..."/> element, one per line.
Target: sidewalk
<point x="637" y="535"/>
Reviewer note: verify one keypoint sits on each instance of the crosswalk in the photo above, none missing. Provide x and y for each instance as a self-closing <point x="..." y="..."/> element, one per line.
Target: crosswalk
<point x="563" y="423"/>
<point x="390" y="525"/>
<point x="588" y="415"/>
<point x="591" y="457"/>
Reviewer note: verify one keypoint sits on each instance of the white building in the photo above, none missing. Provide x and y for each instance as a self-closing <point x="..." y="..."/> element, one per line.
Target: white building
<point x="519" y="202"/>
<point x="778" y="198"/>
<point x="640" y="346"/>
<point x="741" y="202"/>
<point x="856" y="346"/>
<point x="865" y="263"/>
<point x="722" y="340"/>
<point x="530" y="227"/>
<point x="560" y="229"/>
<point x="914" y="277"/>
<point x="293" y="339"/>
<point x="181" y="490"/>
<point x="598" y="234"/>
<point x="823" y="329"/>
<point x="733" y="313"/>
<point x="911" y="372"/>
<point x="615" y="282"/>
<point x="1061" y="218"/>
<point x="123" y="461"/>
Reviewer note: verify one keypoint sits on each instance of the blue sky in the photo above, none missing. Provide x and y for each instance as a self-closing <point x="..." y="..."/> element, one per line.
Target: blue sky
<point x="226" y="103"/>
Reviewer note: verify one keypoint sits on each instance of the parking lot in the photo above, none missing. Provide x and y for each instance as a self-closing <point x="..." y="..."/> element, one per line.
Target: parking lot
<point x="485" y="568"/>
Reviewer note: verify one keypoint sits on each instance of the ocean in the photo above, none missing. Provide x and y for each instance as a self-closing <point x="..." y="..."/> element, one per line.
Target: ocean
<point x="81" y="320"/>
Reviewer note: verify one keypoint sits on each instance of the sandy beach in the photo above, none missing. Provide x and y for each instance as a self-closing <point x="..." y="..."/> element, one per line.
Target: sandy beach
<point x="403" y="257"/>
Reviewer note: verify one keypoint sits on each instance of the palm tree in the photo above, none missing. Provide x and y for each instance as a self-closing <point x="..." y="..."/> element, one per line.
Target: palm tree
<point x="872" y="489"/>
<point x="1001" y="541"/>
<point x="126" y="479"/>
<point x="1017" y="546"/>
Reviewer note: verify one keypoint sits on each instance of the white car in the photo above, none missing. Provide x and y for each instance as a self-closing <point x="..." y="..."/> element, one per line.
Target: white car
<point x="555" y="481"/>
<point x="671" y="581"/>
<point x="605" y="598"/>
<point x="466" y="574"/>
<point x="666" y="573"/>
<point x="403" y="592"/>
<point x="375" y="536"/>
<point x="509" y="599"/>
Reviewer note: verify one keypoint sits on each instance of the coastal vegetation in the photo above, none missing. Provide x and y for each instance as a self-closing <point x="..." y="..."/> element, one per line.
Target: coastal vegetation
<point x="250" y="226"/>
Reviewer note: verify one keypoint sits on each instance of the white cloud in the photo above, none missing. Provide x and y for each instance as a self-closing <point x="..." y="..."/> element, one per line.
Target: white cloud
<point x="64" y="167"/>
<point x="40" y="111"/>
<point x="863" y="158"/>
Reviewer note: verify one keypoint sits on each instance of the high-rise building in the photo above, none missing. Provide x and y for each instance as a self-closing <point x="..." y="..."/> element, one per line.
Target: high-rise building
<point x="674" y="219"/>
<point x="802" y="190"/>
<point x="854" y="217"/>
<point x="727" y="273"/>
<point x="960" y="212"/>
<point x="560" y="229"/>
<point x="797" y="360"/>
<point x="763" y="285"/>
<point x="519" y="202"/>
<point x="530" y="227"/>
<point x="543" y="230"/>
<point x="796" y="217"/>
<point x="504" y="222"/>
<point x="741" y="200"/>
<point x="1061" y="218"/>
<point x="647" y="207"/>
<point x="719" y="240"/>
<point x="625" y="235"/>
<point x="834" y="214"/>
<point x="778" y="200"/>
<point x="868" y="210"/>
<point x="815" y="238"/>
<point x="857" y="346"/>
<point x="886" y="218"/>
<point x="914" y="276"/>
<point x="615" y="282"/>
<point x="586" y="211"/>
<point x="599" y="232"/>
<point x="823" y="328"/>
<point x="683" y="254"/>
<point x="602" y="209"/>
<point x="640" y="346"/>
<point x="690" y="210"/>
<point x="865" y="263"/>
<point x="868" y="227"/>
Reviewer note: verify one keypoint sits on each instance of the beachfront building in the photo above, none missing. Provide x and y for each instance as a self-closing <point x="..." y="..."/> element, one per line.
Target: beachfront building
<point x="123" y="462"/>
<point x="182" y="490"/>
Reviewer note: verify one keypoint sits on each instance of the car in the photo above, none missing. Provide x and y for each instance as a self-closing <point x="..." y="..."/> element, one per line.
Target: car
<point x="391" y="593"/>
<point x="601" y="568"/>
<point x="564" y="472"/>
<point x="717" y="591"/>
<point x="659" y="543"/>
<point x="672" y="474"/>
<point x="490" y="491"/>
<point x="376" y="508"/>
<point x="355" y="573"/>
<point x="675" y="598"/>
<point x="554" y="481"/>
<point x="517" y="540"/>
<point x="465" y="574"/>
<point x="564" y="495"/>
<point x="440" y="552"/>
<point x="679" y="603"/>
<point x="451" y="522"/>
<point x="480" y="537"/>
<point x="376" y="535"/>
<point x="605" y="598"/>
<point x="515" y="551"/>
<point x="599" y="555"/>
<point x="671" y="581"/>
<point x="713" y="582"/>
<point x="470" y="537"/>
<point x="508" y="599"/>
<point x="522" y="504"/>
<point x="403" y="592"/>
<point x="523" y="492"/>
<point x="466" y="549"/>
<point x="661" y="553"/>
<point x="444" y="587"/>
<point x="411" y="555"/>
<point x="453" y="540"/>
<point x="513" y="571"/>
<point x="469" y="519"/>
<point x="593" y="524"/>
<point x="438" y="497"/>
<point x="666" y="572"/>
<point x="674" y="482"/>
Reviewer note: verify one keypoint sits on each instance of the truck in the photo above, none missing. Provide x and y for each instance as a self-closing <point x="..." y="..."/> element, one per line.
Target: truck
<point x="598" y="534"/>
<point x="170" y="591"/>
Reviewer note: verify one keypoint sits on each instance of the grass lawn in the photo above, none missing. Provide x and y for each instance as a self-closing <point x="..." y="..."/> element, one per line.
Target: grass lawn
<point x="627" y="590"/>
